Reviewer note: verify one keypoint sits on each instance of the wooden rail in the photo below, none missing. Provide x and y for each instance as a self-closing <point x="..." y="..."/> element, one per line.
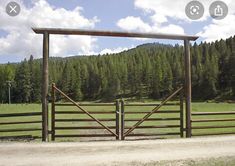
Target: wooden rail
<point x="230" y="122"/>
<point x="84" y="120"/>
<point x="13" y="125"/>
<point x="156" y="110"/>
<point x="152" y="112"/>
<point x="58" y="119"/>
<point x="213" y="113"/>
<point x="152" y="134"/>
<point x="82" y="111"/>
<point x="18" y="122"/>
<point x="20" y="114"/>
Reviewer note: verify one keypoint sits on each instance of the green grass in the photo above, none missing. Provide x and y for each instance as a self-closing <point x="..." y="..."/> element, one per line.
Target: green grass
<point x="196" y="107"/>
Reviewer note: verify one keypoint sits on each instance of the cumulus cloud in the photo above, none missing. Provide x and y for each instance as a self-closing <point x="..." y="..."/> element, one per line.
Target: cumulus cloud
<point x="115" y="50"/>
<point x="220" y="29"/>
<point x="22" y="41"/>
<point x="131" y="23"/>
<point x="161" y="11"/>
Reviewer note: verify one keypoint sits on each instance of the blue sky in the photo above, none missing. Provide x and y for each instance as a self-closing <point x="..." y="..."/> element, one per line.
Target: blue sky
<point x="156" y="16"/>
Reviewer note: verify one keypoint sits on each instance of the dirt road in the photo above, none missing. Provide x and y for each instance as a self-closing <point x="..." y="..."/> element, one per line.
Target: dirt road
<point x="115" y="152"/>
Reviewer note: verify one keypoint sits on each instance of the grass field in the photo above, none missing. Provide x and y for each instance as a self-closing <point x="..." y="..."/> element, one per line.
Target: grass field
<point x="196" y="107"/>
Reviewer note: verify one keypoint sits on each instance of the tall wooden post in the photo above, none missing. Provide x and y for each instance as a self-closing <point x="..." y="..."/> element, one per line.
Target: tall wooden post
<point x="188" y="92"/>
<point x="53" y="112"/>
<point x="117" y="119"/>
<point x="122" y="120"/>
<point x="182" y="113"/>
<point x="45" y="87"/>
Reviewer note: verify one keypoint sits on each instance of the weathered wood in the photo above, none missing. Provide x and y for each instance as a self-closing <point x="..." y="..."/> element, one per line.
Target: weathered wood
<point x="20" y="114"/>
<point x="212" y="127"/>
<point x="154" y="119"/>
<point x="182" y="114"/>
<point x="158" y="112"/>
<point x="213" y="113"/>
<point x="45" y="83"/>
<point x="147" y="104"/>
<point x="82" y="127"/>
<point x="83" y="135"/>
<point x="208" y="134"/>
<point x="84" y="120"/>
<point x="187" y="60"/>
<point x="53" y="112"/>
<point x="20" y="130"/>
<point x="18" y="122"/>
<point x="122" y="120"/>
<point x="19" y="137"/>
<point x="90" y="112"/>
<point x="212" y="120"/>
<point x="117" y="119"/>
<point x="153" y="111"/>
<point x="152" y="134"/>
<point x="85" y="104"/>
<point x="63" y="31"/>
<point x="159" y="126"/>
<point x="85" y="112"/>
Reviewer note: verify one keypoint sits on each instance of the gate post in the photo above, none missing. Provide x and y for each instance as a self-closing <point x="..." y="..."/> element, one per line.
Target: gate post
<point x="187" y="61"/>
<point x="45" y="81"/>
<point x="182" y="113"/>
<point x="53" y="112"/>
<point x="122" y="120"/>
<point x="117" y="119"/>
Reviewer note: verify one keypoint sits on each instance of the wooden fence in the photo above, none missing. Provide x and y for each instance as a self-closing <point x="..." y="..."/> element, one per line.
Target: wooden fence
<point x="23" y="125"/>
<point x="213" y="123"/>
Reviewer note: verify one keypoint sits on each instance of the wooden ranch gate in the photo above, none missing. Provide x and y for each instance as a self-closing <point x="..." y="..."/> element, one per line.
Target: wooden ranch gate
<point x="163" y="122"/>
<point x="73" y="120"/>
<point x="80" y="115"/>
<point x="57" y="31"/>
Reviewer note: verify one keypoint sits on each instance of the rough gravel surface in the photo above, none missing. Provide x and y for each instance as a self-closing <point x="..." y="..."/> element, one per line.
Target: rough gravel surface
<point x="144" y="152"/>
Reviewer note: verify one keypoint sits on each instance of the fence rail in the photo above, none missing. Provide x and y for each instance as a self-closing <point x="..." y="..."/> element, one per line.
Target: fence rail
<point x="206" y="127"/>
<point x="10" y="125"/>
<point x="82" y="111"/>
<point x="127" y="130"/>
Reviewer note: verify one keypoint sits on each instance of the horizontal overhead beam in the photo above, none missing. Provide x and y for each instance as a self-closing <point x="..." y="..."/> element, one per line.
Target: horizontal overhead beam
<point x="62" y="31"/>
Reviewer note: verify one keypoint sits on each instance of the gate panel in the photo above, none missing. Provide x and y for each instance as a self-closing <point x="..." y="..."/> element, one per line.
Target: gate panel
<point x="72" y="119"/>
<point x="166" y="118"/>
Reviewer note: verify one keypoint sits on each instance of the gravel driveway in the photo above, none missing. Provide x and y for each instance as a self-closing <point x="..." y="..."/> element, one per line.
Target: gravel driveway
<point x="116" y="152"/>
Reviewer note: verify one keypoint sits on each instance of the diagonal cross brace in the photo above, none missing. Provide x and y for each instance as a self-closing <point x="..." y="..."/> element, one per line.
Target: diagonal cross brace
<point x="83" y="110"/>
<point x="153" y="111"/>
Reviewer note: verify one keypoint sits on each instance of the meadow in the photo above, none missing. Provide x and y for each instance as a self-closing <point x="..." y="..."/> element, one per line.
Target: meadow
<point x="196" y="107"/>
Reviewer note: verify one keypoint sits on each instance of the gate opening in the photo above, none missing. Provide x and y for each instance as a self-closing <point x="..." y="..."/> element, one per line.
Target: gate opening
<point x="58" y="31"/>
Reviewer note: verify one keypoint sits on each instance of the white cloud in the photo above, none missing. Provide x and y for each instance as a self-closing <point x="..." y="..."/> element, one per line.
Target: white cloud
<point x="220" y="29"/>
<point x="115" y="50"/>
<point x="161" y="11"/>
<point x="22" y="41"/>
<point x="131" y="23"/>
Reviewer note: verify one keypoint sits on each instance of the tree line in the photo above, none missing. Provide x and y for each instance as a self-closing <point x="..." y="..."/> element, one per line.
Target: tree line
<point x="147" y="71"/>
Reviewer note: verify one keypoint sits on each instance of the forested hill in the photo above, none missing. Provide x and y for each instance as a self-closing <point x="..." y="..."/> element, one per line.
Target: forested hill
<point x="147" y="71"/>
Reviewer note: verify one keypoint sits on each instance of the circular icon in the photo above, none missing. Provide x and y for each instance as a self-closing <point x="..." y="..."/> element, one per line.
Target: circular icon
<point x="218" y="10"/>
<point x="194" y="10"/>
<point x="13" y="9"/>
